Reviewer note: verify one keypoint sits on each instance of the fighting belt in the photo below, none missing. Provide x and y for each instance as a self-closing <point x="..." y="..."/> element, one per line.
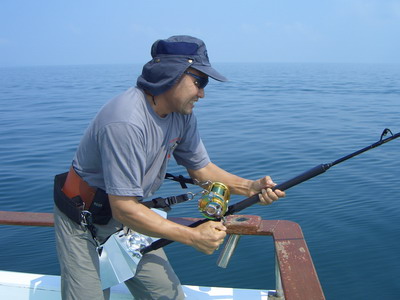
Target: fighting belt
<point x="73" y="196"/>
<point x="75" y="186"/>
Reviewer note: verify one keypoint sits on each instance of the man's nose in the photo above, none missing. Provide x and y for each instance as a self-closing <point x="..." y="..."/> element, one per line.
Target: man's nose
<point x="201" y="93"/>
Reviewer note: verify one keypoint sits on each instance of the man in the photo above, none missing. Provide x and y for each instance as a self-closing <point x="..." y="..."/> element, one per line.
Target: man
<point x="125" y="152"/>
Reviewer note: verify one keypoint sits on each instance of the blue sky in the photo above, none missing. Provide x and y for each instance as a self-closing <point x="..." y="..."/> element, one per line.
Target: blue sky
<point x="61" y="32"/>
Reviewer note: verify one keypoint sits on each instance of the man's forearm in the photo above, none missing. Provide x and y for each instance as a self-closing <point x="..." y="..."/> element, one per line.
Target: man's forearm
<point x="136" y="216"/>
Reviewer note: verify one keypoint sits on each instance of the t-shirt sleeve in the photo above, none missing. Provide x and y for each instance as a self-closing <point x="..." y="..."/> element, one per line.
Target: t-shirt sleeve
<point x="123" y="159"/>
<point x="191" y="152"/>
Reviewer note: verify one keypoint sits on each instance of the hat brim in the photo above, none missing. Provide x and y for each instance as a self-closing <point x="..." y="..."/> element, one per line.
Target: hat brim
<point x="209" y="71"/>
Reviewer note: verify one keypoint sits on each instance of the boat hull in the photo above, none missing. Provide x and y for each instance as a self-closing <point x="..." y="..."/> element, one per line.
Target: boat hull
<point x="21" y="286"/>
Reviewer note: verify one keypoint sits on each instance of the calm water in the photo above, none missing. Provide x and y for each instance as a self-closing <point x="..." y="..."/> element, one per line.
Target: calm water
<point x="276" y="119"/>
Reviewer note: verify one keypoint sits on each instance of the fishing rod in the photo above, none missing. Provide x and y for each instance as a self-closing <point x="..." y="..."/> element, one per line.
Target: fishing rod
<point x="317" y="170"/>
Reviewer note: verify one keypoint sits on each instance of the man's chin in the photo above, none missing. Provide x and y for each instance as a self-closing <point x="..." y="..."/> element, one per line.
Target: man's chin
<point x="188" y="109"/>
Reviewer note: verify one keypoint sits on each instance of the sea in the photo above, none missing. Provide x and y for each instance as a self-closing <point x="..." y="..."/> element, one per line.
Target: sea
<point x="270" y="119"/>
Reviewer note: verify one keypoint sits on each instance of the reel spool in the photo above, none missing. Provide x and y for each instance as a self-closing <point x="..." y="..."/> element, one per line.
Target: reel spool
<point x="214" y="202"/>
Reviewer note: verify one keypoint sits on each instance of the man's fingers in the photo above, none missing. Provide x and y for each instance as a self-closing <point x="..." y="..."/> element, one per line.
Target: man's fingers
<point x="268" y="196"/>
<point x="219" y="226"/>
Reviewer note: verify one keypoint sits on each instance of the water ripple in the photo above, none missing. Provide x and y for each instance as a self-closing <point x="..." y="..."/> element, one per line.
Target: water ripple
<point x="275" y="119"/>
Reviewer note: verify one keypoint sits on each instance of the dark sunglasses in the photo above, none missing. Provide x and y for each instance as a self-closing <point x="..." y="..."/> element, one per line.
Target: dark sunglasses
<point x="200" y="82"/>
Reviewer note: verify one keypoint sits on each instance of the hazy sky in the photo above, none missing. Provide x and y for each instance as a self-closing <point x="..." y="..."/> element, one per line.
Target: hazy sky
<point x="59" y="32"/>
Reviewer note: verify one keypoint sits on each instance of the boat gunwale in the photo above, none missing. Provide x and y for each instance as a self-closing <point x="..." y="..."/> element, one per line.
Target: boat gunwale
<point x="295" y="268"/>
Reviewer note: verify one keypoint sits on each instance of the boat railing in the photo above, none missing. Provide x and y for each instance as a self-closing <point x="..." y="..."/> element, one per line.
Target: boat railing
<point x="296" y="277"/>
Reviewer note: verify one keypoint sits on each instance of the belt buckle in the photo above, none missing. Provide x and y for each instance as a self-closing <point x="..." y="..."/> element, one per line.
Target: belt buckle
<point x="86" y="218"/>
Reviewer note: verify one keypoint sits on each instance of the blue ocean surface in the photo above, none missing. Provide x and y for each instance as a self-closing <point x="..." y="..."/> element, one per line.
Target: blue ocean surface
<point x="269" y="119"/>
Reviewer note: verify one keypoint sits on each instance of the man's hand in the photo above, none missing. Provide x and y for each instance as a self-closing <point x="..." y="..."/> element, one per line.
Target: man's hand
<point x="265" y="185"/>
<point x="208" y="236"/>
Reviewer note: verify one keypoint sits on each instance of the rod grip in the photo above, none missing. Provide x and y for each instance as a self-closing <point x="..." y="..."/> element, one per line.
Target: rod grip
<point x="235" y="208"/>
<point x="302" y="177"/>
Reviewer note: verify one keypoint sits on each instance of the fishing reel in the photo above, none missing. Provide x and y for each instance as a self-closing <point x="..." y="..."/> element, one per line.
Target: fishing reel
<point x="214" y="200"/>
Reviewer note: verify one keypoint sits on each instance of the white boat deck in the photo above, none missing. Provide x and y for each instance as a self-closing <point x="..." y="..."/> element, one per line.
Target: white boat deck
<point x="24" y="286"/>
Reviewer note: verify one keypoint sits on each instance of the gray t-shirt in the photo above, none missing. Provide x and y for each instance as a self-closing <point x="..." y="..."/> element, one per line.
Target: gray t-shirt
<point x="126" y="148"/>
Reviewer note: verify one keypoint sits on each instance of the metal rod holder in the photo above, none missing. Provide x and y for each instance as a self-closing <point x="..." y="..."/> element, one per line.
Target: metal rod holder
<point x="278" y="282"/>
<point x="229" y="248"/>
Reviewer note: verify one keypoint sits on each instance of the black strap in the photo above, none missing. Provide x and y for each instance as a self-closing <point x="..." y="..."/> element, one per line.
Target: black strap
<point x="165" y="203"/>
<point x="181" y="179"/>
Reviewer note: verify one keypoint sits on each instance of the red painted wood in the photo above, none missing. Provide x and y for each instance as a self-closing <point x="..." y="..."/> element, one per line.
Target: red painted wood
<point x="26" y="218"/>
<point x="299" y="278"/>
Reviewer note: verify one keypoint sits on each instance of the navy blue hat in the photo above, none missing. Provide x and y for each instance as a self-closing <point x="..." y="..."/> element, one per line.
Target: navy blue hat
<point x="171" y="58"/>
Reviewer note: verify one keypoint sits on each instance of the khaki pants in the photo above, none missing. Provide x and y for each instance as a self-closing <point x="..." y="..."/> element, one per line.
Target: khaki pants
<point x="79" y="263"/>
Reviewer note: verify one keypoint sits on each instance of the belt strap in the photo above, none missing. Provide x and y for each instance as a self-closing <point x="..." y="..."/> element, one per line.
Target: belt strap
<point x="166" y="203"/>
<point x="78" y="191"/>
<point x="181" y="179"/>
<point x="75" y="186"/>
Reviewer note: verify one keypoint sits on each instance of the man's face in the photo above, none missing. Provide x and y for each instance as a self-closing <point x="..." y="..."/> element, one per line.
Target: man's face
<point x="183" y="96"/>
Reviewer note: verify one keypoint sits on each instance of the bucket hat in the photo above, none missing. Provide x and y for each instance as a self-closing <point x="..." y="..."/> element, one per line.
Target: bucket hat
<point x="170" y="59"/>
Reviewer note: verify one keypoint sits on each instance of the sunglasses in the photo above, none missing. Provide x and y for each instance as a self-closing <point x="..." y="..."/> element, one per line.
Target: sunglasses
<point x="200" y="81"/>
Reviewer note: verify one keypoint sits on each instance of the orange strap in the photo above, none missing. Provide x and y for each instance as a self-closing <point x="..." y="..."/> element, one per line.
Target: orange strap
<point x="76" y="186"/>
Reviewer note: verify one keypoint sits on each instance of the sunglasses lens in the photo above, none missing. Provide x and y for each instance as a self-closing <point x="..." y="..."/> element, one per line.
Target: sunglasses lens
<point x="200" y="82"/>
<point x="203" y="81"/>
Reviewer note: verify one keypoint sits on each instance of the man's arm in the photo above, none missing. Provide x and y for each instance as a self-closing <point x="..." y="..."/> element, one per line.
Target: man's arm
<point x="239" y="185"/>
<point x="205" y="238"/>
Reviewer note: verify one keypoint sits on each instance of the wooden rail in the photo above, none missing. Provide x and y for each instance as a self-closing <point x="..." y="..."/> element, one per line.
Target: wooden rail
<point x="298" y="277"/>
